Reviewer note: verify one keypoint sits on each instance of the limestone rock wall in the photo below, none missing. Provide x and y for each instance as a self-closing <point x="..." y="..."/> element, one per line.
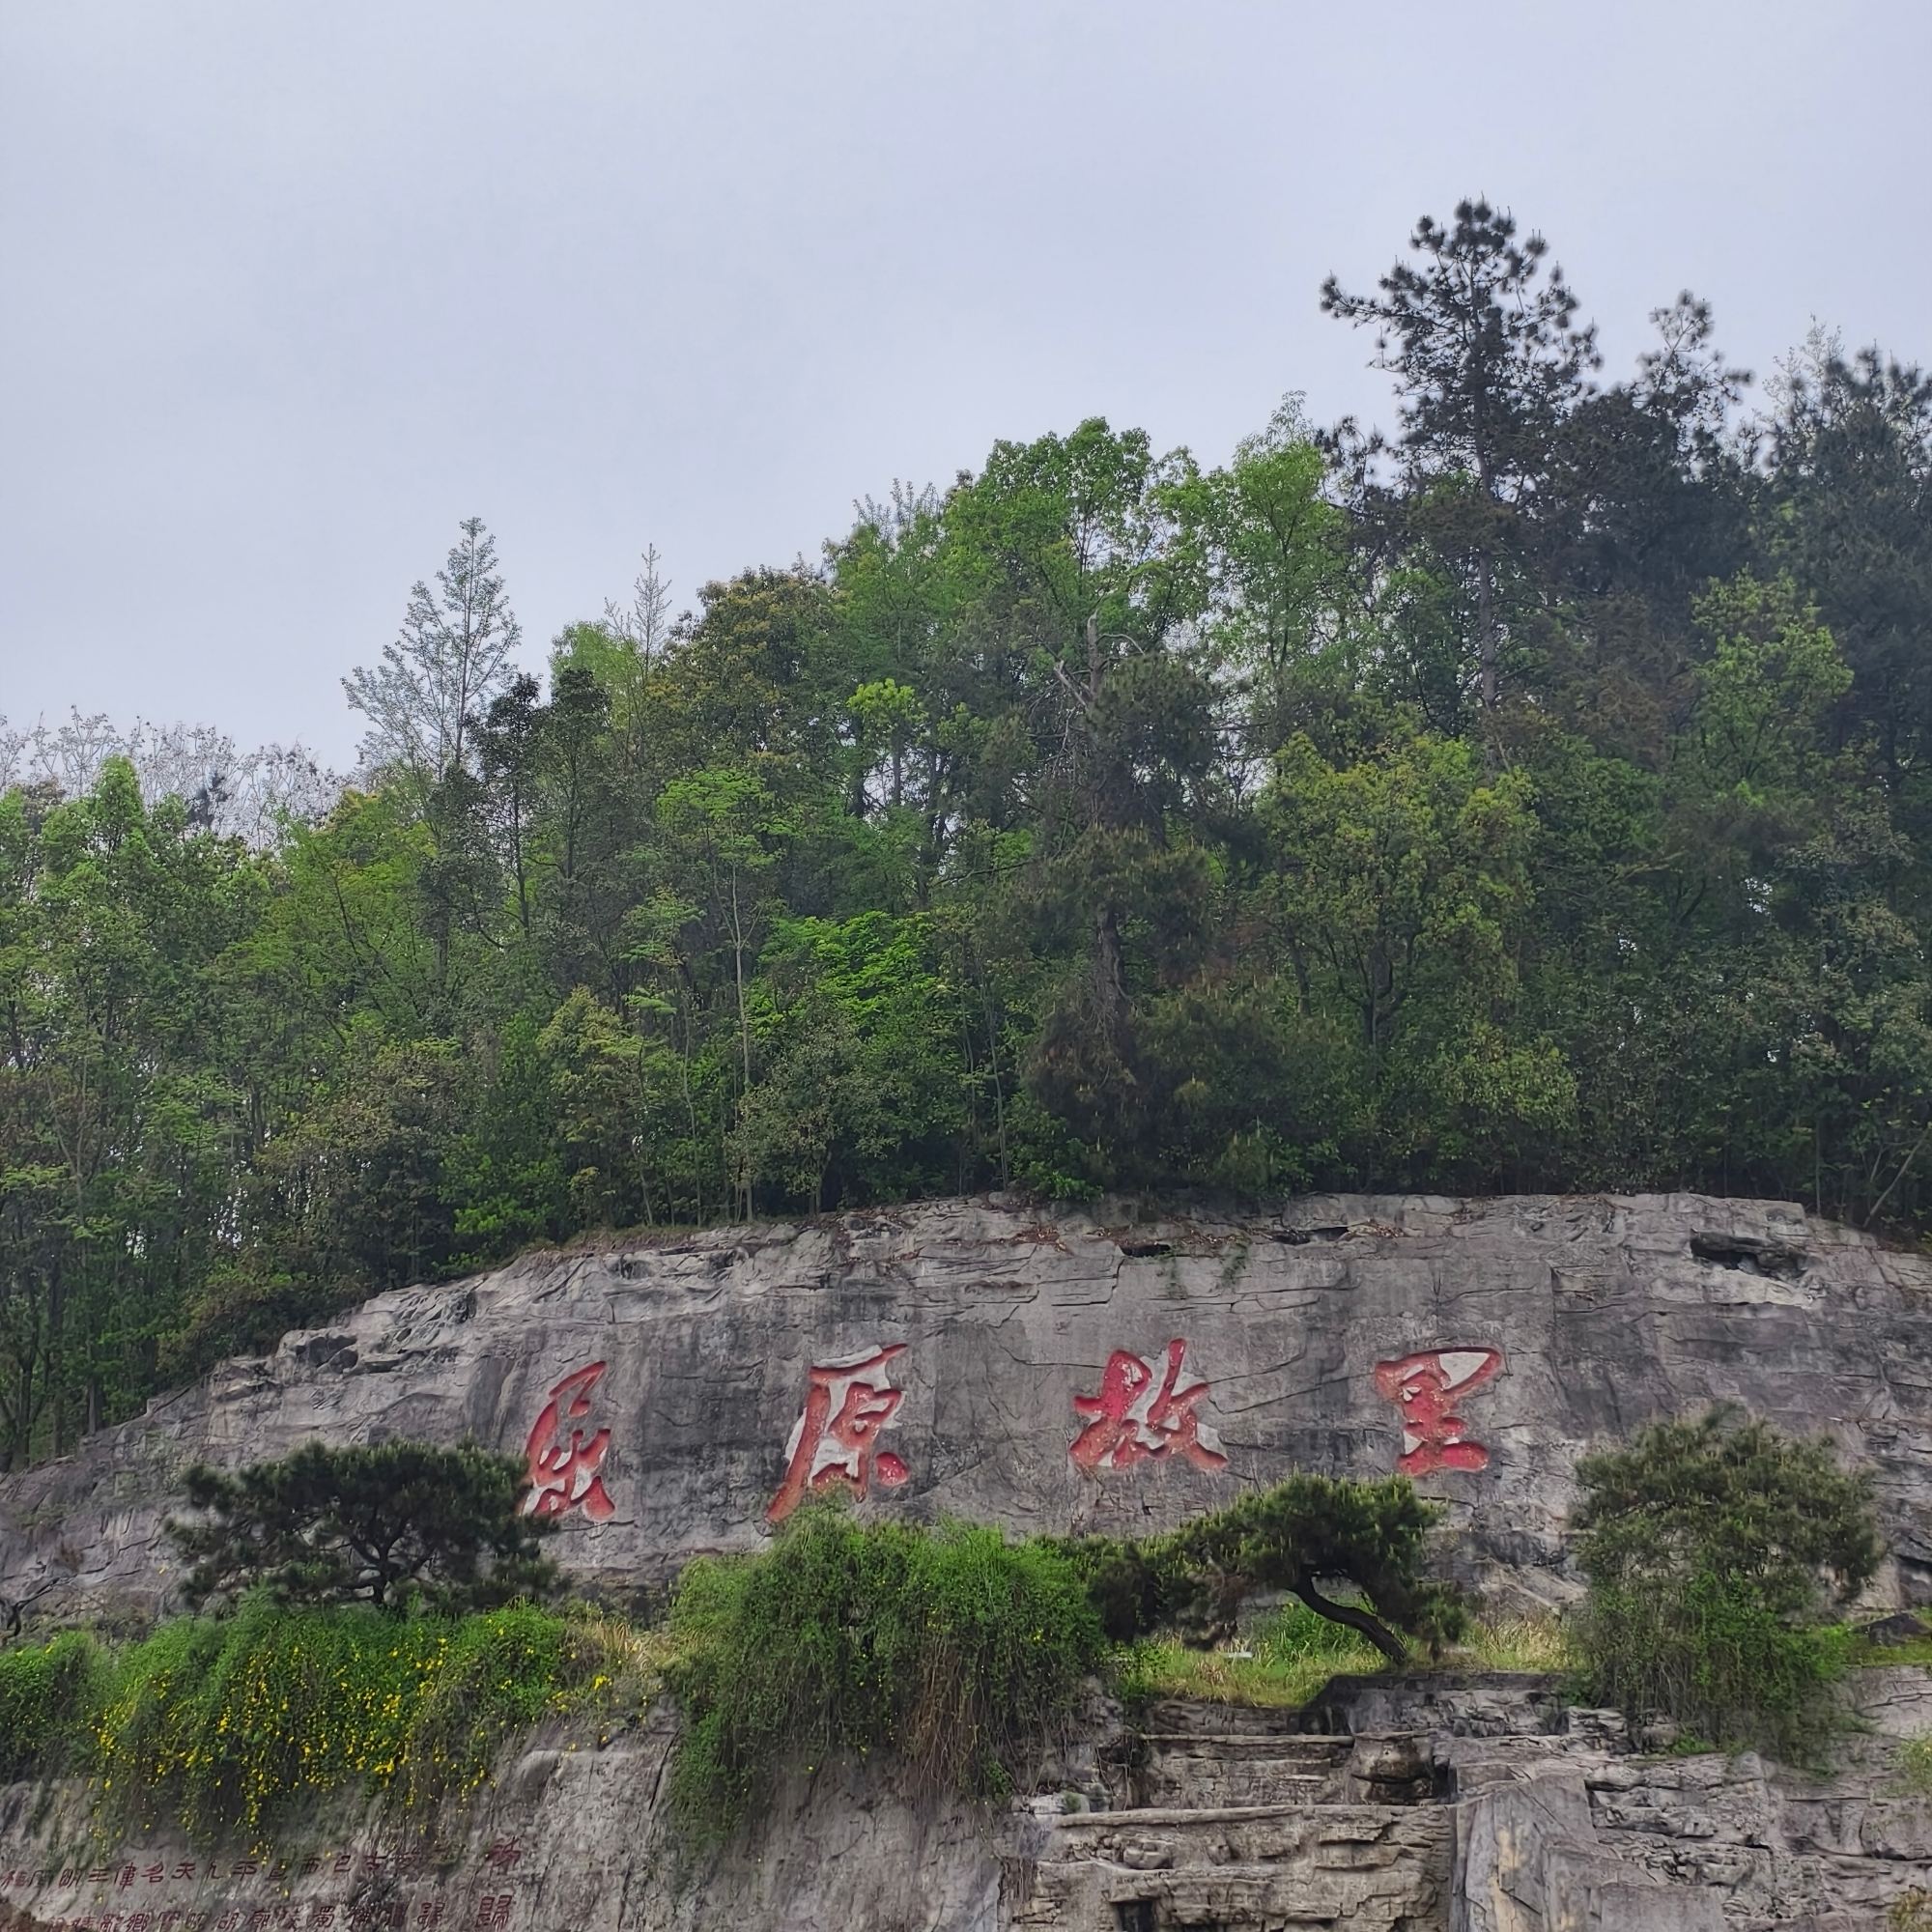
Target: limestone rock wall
<point x="1489" y="1806"/>
<point x="570" y="1837"/>
<point x="1056" y="1370"/>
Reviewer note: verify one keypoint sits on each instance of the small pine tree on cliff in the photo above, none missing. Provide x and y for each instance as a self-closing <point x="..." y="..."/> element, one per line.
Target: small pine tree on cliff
<point x="1299" y="1535"/>
<point x="394" y="1525"/>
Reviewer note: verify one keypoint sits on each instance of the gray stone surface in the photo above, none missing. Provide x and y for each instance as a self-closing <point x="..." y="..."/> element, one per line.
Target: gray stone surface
<point x="1529" y="1860"/>
<point x="1607" y="1313"/>
<point x="568" y="1838"/>
<point x="1499" y="1810"/>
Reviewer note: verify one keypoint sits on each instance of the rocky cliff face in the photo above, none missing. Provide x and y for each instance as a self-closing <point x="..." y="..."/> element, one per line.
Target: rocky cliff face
<point x="1446" y="1802"/>
<point x="1054" y="1371"/>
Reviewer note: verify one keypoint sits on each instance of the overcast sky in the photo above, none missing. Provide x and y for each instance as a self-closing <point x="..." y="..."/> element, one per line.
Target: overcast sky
<point x="286" y="291"/>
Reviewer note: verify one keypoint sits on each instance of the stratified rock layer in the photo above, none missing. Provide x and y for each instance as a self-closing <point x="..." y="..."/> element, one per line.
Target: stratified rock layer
<point x="1456" y="1802"/>
<point x="1056" y="1371"/>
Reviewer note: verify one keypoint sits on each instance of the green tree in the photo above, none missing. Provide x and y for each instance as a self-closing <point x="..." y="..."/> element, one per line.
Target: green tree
<point x="1400" y="889"/>
<point x="512" y="750"/>
<point x="1488" y="360"/>
<point x="1299" y="1535"/>
<point x="861" y="1036"/>
<point x="1277" y="557"/>
<point x="120" y="1107"/>
<point x="1851" y="483"/>
<point x="392" y="1524"/>
<point x="1715" y="1551"/>
<point x="726" y="826"/>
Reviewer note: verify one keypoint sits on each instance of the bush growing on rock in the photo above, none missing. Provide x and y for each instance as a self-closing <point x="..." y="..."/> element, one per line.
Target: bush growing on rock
<point x="953" y="1649"/>
<point x="394" y="1525"/>
<point x="1715" y="1552"/>
<point x="47" y="1695"/>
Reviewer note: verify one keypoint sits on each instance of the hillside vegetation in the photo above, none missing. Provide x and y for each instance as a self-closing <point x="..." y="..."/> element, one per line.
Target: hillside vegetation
<point x="954" y="1651"/>
<point x="1534" y="799"/>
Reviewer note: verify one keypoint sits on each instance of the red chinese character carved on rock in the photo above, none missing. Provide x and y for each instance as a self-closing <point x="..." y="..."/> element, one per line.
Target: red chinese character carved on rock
<point x="563" y="1465"/>
<point x="1140" y="1415"/>
<point x="1423" y="1386"/>
<point x="836" y="1440"/>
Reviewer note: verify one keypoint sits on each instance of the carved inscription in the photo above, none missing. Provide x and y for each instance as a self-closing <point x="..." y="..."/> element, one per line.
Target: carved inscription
<point x="836" y="1440"/>
<point x="563" y="1462"/>
<point x="1425" y="1386"/>
<point x="1144" y="1412"/>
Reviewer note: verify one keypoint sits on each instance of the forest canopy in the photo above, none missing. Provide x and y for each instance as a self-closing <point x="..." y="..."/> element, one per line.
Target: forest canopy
<point x="1533" y="796"/>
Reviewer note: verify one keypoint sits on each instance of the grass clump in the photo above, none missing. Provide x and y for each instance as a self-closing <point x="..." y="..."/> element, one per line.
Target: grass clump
<point x="1283" y="1661"/>
<point x="1912" y="1769"/>
<point x="221" y="1725"/>
<point x="951" y="1648"/>
<point x="1518" y="1643"/>
<point x="1910" y="1912"/>
<point x="1285" y="1658"/>
<point x="1715" y="1553"/>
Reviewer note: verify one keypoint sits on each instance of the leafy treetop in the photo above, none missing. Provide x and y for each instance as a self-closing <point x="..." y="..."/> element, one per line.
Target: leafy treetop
<point x="1733" y="1498"/>
<point x="396" y="1525"/>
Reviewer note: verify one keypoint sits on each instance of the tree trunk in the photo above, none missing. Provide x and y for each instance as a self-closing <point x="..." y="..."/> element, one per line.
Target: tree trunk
<point x="1110" y="985"/>
<point x="1355" y="1617"/>
<point x="1485" y="624"/>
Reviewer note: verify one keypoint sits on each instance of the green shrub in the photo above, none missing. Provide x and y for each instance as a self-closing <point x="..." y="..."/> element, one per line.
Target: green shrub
<point x="1711" y="1654"/>
<point x="951" y="1648"/>
<point x="395" y="1524"/>
<point x="48" y="1697"/>
<point x="1715" y="1552"/>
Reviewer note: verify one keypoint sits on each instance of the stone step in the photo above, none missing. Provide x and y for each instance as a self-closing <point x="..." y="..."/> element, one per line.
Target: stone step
<point x="1175" y="1718"/>
<point x="1196" y="1770"/>
<point x="1207" y="1787"/>
<point x="1316" y="1748"/>
<point x="1365" y="1867"/>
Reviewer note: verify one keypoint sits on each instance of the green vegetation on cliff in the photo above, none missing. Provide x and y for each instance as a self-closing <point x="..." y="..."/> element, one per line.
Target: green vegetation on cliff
<point x="1718" y="1553"/>
<point x="954" y="1650"/>
<point x="960" y="1652"/>
<point x="1715" y="1552"/>
<point x="222" y="1725"/>
<point x="1537" y="799"/>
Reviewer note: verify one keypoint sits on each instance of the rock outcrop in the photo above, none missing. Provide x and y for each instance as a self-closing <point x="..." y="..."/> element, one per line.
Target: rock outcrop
<point x="1065" y="1370"/>
<point x="1056" y="1370"/>
<point x="1444" y="1803"/>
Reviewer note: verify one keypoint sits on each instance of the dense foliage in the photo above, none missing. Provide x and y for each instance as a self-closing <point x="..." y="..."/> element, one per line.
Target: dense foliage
<point x="1715" y="1552"/>
<point x="222" y="1725"/>
<point x="952" y="1649"/>
<point x="959" y="1650"/>
<point x="396" y="1525"/>
<point x="1535" y="798"/>
<point x="1302" y="1536"/>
